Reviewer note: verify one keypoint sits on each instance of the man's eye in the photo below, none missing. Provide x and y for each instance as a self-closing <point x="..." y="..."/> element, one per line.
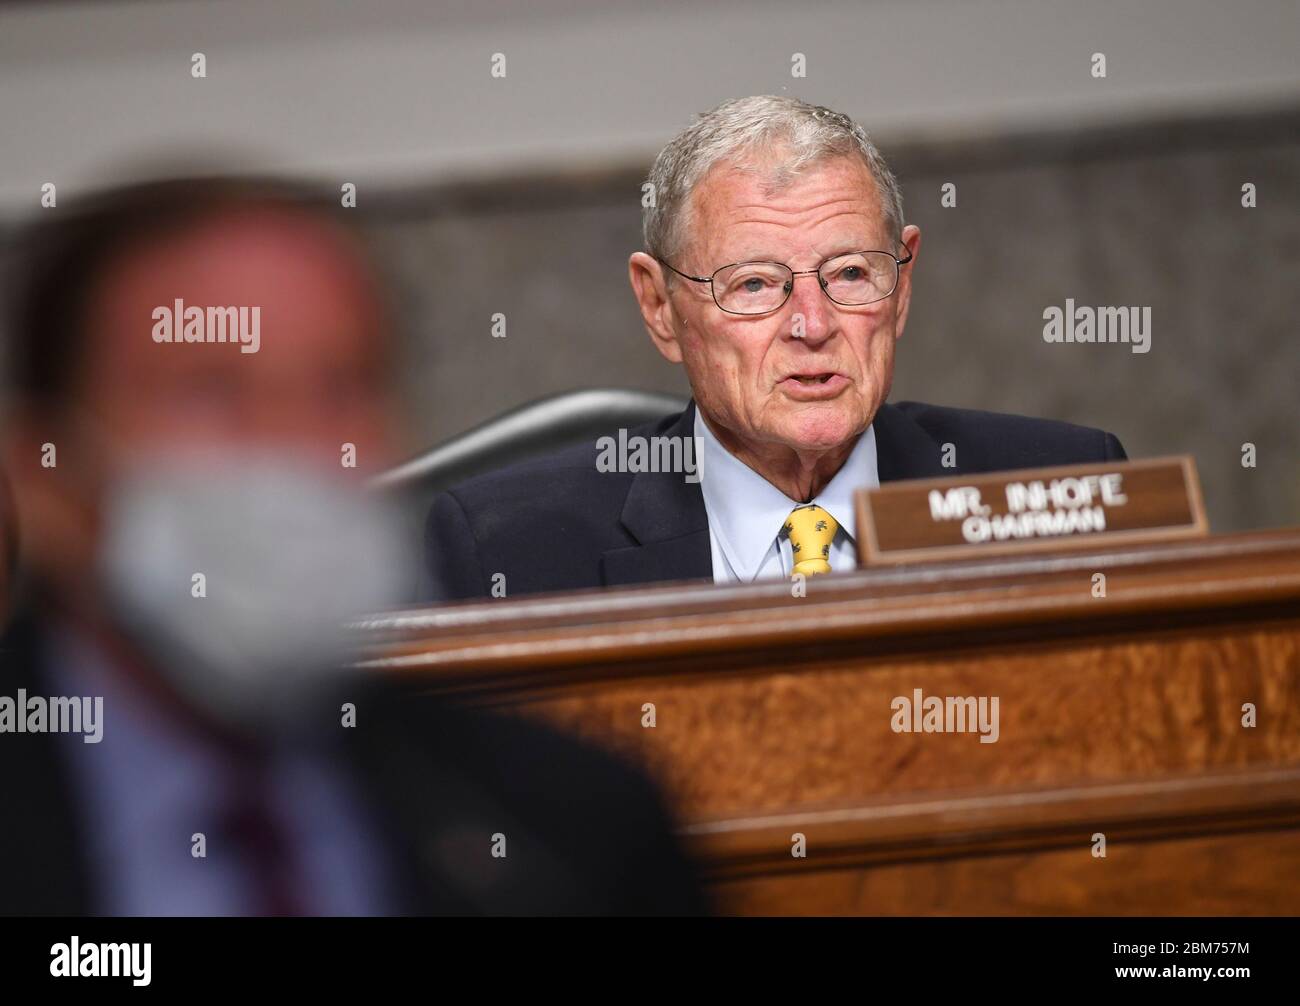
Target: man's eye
<point x="852" y="274"/>
<point x="752" y="284"/>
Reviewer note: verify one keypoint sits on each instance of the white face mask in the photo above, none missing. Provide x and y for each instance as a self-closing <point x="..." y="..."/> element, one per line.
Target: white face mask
<point x="236" y="574"/>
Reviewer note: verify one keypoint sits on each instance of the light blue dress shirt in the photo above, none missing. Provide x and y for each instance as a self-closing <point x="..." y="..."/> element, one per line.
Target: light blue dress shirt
<point x="747" y="513"/>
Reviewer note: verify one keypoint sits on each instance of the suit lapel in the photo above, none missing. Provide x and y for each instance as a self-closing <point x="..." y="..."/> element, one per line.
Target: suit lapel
<point x="666" y="516"/>
<point x="903" y="449"/>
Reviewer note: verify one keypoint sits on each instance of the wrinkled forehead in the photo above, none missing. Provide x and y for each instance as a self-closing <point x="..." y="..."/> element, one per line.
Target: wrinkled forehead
<point x="767" y="207"/>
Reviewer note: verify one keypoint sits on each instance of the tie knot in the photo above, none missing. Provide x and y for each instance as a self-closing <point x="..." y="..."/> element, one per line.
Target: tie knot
<point x="811" y="530"/>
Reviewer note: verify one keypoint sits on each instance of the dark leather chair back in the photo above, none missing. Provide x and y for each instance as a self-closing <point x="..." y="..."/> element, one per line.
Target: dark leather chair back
<point x="530" y="430"/>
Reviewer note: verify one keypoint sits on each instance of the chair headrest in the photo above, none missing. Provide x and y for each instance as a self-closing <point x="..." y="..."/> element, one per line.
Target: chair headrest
<point x="527" y="431"/>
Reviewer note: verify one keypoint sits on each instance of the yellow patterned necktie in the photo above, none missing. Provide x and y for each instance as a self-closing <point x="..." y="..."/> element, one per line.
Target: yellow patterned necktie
<point x="811" y="530"/>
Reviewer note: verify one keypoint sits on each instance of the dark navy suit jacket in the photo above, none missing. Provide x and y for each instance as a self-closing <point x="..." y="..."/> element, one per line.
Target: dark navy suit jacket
<point x="559" y="523"/>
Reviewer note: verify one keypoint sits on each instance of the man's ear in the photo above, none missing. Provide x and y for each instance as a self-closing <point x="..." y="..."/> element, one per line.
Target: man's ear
<point x="650" y="286"/>
<point x="912" y="242"/>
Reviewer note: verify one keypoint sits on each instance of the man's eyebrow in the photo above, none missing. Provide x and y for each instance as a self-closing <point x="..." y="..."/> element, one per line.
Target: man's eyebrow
<point x="849" y="249"/>
<point x="753" y="256"/>
<point x="843" y="248"/>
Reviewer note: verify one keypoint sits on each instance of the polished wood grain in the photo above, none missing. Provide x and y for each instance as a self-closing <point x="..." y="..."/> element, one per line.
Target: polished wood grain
<point x="1193" y="845"/>
<point x="1255" y="873"/>
<point x="474" y="644"/>
<point x="1129" y="712"/>
<point x="944" y="826"/>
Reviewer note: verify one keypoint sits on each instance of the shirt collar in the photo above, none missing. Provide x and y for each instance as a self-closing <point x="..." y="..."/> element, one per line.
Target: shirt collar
<point x="746" y="511"/>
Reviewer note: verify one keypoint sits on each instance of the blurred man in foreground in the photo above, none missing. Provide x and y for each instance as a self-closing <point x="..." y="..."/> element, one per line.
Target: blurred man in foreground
<point x="201" y="385"/>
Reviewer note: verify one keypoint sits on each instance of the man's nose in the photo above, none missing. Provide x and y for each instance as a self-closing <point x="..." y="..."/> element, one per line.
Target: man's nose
<point x="810" y="310"/>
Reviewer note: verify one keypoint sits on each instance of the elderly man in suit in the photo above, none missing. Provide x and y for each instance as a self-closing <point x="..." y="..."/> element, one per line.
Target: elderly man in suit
<point x="778" y="271"/>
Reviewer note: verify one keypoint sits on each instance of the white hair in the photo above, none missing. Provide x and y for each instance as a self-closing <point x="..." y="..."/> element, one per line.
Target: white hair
<point x="753" y="131"/>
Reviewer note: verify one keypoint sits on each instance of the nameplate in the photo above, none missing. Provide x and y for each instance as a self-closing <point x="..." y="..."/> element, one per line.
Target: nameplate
<point x="1032" y="509"/>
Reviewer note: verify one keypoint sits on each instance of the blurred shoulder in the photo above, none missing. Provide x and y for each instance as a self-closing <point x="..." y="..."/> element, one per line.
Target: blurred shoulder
<point x="592" y="829"/>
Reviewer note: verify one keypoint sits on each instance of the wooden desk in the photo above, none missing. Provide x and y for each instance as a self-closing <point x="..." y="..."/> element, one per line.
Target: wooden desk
<point x="1119" y="716"/>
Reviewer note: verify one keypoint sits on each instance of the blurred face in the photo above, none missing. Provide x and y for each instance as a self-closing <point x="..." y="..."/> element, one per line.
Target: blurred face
<point x="807" y="378"/>
<point x="317" y="381"/>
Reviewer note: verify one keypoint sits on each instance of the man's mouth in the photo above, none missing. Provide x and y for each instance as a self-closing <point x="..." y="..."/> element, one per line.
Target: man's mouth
<point x="812" y="378"/>
<point x="809" y="387"/>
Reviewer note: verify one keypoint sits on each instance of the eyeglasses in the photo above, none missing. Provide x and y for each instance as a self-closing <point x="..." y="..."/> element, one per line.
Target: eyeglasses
<point x="851" y="280"/>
